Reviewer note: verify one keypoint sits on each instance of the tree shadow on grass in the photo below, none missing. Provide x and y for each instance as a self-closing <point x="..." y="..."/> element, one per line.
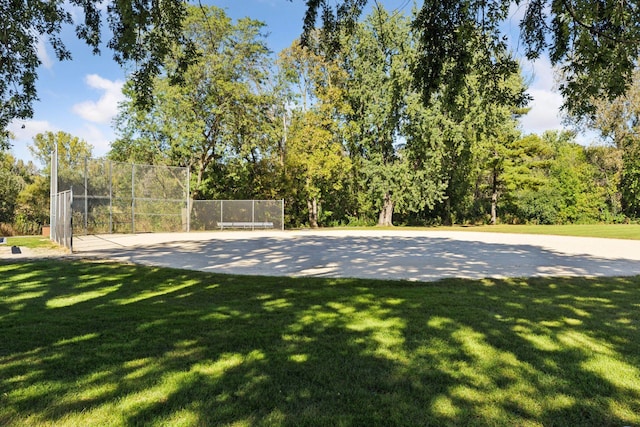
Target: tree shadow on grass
<point x="100" y="343"/>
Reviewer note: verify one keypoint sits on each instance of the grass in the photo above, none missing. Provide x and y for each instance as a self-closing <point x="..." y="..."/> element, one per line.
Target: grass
<point x="84" y="343"/>
<point x="611" y="231"/>
<point x="33" y="242"/>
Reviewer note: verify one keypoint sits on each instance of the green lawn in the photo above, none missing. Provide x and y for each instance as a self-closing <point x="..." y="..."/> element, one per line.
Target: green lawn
<point x="32" y="242"/>
<point x="612" y="231"/>
<point x="85" y="343"/>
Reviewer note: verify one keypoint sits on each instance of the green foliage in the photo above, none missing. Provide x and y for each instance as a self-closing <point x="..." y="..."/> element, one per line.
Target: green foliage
<point x="341" y="132"/>
<point x="550" y="180"/>
<point x="596" y="46"/>
<point x="142" y="33"/>
<point x="10" y="186"/>
<point x="378" y="57"/>
<point x="630" y="181"/>
<point x="220" y="115"/>
<point x="314" y="154"/>
<point x="11" y="183"/>
<point x="72" y="151"/>
<point x="607" y="164"/>
<point x="477" y="141"/>
<point x="618" y="121"/>
<point x="32" y="210"/>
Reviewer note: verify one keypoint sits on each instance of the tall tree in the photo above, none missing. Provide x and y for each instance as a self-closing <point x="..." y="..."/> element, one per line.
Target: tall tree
<point x="549" y="179"/>
<point x="618" y="122"/>
<point x="72" y="153"/>
<point x="607" y="163"/>
<point x="315" y="156"/>
<point x="378" y="57"/>
<point x="595" y="45"/>
<point x="32" y="206"/>
<point x="71" y="150"/>
<point x="10" y="185"/>
<point x="220" y="113"/>
<point x="495" y="128"/>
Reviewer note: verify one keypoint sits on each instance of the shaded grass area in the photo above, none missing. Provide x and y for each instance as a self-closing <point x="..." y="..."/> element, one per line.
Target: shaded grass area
<point x="85" y="343"/>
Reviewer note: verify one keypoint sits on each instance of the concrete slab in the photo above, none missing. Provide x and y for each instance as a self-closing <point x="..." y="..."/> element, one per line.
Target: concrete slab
<point x="382" y="254"/>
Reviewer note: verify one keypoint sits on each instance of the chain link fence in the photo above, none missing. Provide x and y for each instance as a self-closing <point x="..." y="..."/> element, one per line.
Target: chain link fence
<point x="245" y="214"/>
<point x="114" y="197"/>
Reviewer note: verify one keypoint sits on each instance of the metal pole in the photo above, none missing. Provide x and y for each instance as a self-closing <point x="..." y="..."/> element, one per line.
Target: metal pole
<point x="221" y="215"/>
<point x="110" y="199"/>
<point x="65" y="215"/>
<point x="70" y="221"/>
<point x="282" y="216"/>
<point x="86" y="202"/>
<point x="53" y="191"/>
<point x="188" y="198"/>
<point x="253" y="214"/>
<point x="59" y="232"/>
<point x="133" y="199"/>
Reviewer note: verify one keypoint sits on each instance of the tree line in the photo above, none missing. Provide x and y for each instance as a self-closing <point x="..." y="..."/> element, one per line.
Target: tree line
<point x="338" y="127"/>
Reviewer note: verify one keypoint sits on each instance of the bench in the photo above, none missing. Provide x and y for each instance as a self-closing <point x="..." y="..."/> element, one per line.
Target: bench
<point x="245" y="224"/>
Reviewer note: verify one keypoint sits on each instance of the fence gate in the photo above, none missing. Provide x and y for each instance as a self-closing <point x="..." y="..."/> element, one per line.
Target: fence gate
<point x="61" y="219"/>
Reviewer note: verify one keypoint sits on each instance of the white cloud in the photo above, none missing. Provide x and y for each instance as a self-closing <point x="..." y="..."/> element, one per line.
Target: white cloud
<point x="25" y="130"/>
<point x="97" y="136"/>
<point x="545" y="112"/>
<point x="545" y="107"/>
<point x="542" y="72"/>
<point x="43" y="54"/>
<point x="104" y="109"/>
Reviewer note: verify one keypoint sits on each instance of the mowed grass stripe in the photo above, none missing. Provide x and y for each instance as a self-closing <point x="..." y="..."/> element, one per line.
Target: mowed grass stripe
<point x="84" y="343"/>
<point x="608" y="231"/>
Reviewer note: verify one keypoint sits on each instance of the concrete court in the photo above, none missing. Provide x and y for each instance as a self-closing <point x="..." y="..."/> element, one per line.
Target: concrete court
<point x="381" y="254"/>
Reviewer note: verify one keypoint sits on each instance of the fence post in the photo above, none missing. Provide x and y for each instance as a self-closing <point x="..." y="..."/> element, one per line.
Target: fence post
<point x="221" y="213"/>
<point x="282" y="216"/>
<point x="69" y="221"/>
<point x="65" y="217"/>
<point x="53" y="185"/>
<point x="253" y="214"/>
<point x="86" y="202"/>
<point x="188" y="187"/>
<point x="110" y="198"/>
<point x="57" y="210"/>
<point x="133" y="199"/>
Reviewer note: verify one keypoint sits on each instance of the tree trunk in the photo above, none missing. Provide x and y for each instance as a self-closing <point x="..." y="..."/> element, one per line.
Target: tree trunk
<point x="195" y="192"/>
<point x="386" y="214"/>
<point x="494" y="198"/>
<point x="312" y="206"/>
<point x="448" y="216"/>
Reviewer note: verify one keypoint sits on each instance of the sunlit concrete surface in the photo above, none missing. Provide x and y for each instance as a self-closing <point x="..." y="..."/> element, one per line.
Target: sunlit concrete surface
<point x="381" y="254"/>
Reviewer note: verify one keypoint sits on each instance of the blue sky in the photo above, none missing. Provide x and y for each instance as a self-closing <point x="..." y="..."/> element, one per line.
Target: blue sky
<point x="80" y="96"/>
